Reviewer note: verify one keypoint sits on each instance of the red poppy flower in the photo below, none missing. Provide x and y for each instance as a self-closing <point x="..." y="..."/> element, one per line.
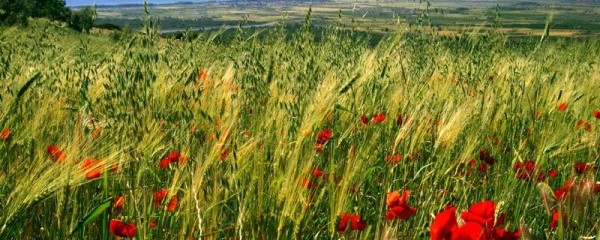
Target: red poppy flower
<point x="468" y="231"/>
<point x="379" y="118"/>
<point x="481" y="213"/>
<point x="503" y="234"/>
<point x="364" y="119"/>
<point x="489" y="160"/>
<point x="92" y="168"/>
<point x="479" y="223"/>
<point x="93" y="174"/>
<point x="121" y="229"/>
<point x="172" y="204"/>
<point x="552" y="173"/>
<point x="356" y="223"/>
<point x="343" y="224"/>
<point x="174" y="156"/>
<point x="482" y="168"/>
<point x="56" y="154"/>
<point x="118" y="202"/>
<point x="443" y="224"/>
<point x="562" y="192"/>
<point x="317" y="173"/>
<point x="224" y="155"/>
<point x="164" y="163"/>
<point x="152" y="224"/>
<point x="398" y="207"/>
<point x="324" y="135"/>
<point x="394" y="159"/>
<point x="582" y="168"/>
<point x="554" y="219"/>
<point x="562" y="106"/>
<point x="159" y="196"/>
<point x="484" y="156"/>
<point x="525" y="171"/>
<point x="537" y="114"/>
<point x="517" y="166"/>
<point x="472" y="163"/>
<point x="597" y="114"/>
<point x="5" y="134"/>
<point x="541" y="177"/>
<point x="529" y="165"/>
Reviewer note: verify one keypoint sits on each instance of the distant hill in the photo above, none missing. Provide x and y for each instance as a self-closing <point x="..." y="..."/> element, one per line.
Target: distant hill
<point x="583" y="1"/>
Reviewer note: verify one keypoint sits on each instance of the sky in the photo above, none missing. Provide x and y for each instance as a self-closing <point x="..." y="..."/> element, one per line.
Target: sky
<point x="114" y="2"/>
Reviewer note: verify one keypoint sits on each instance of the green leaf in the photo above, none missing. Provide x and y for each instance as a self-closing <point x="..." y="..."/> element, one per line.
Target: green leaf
<point x="349" y="84"/>
<point x="28" y="84"/>
<point x="95" y="213"/>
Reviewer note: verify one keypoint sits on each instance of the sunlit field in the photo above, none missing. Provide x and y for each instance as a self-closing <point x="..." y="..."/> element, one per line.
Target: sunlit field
<point x="282" y="135"/>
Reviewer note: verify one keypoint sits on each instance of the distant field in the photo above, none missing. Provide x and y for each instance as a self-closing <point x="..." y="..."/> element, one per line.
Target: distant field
<point x="309" y="132"/>
<point x="445" y="17"/>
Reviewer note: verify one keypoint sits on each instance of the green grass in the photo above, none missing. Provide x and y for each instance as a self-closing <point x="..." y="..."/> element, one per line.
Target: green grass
<point x="263" y="102"/>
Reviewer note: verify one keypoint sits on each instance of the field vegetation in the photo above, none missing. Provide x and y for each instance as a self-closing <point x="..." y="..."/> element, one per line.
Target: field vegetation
<point x="272" y="134"/>
<point x="451" y="17"/>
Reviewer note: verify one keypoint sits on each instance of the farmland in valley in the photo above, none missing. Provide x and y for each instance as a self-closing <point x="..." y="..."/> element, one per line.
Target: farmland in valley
<point x="515" y="18"/>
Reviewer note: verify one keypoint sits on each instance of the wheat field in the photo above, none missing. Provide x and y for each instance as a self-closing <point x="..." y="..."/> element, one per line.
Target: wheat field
<point x="282" y="135"/>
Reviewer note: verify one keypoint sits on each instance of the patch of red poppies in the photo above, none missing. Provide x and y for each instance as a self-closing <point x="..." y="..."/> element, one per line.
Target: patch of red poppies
<point x="525" y="170"/>
<point x="393" y="159"/>
<point x="120" y="229"/>
<point x="398" y="207"/>
<point x="378" y="118"/>
<point x="172" y="158"/>
<point x="324" y="135"/>
<point x="352" y="222"/>
<point x="479" y="222"/>
<point x="583" y="168"/>
<point x="56" y="153"/>
<point x="159" y="197"/>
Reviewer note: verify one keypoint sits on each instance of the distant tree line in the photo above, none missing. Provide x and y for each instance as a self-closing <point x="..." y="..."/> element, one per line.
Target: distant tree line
<point x="18" y="11"/>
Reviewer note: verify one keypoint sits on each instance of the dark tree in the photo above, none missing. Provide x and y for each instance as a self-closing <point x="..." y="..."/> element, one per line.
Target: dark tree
<point x="17" y="11"/>
<point x="12" y="11"/>
<point x="53" y="9"/>
<point x="83" y="20"/>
